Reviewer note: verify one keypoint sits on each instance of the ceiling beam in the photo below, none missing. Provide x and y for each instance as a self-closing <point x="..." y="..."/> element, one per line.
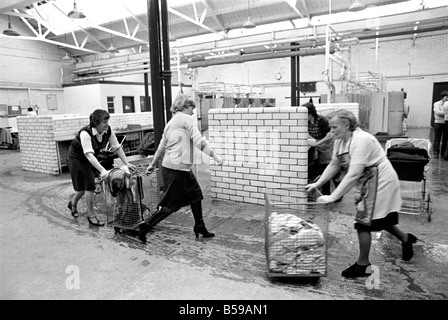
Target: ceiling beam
<point x="213" y="14"/>
<point x="177" y="13"/>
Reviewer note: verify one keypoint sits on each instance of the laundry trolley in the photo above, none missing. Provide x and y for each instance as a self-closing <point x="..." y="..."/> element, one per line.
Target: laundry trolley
<point x="296" y="232"/>
<point x="131" y="207"/>
<point x="410" y="159"/>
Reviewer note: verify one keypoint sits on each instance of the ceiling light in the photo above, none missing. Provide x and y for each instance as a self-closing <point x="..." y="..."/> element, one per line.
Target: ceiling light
<point x="249" y="24"/>
<point x="112" y="48"/>
<point x="75" y="13"/>
<point x="66" y="57"/>
<point x="172" y="38"/>
<point x="10" y="31"/>
<point x="356" y="6"/>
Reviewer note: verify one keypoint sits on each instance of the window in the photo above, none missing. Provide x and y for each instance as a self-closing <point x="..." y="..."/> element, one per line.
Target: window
<point x="110" y="105"/>
<point x="52" y="102"/>
<point x="128" y="105"/>
<point x="144" y="107"/>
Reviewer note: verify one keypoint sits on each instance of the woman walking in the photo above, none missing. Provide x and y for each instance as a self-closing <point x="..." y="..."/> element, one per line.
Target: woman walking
<point x="176" y="148"/>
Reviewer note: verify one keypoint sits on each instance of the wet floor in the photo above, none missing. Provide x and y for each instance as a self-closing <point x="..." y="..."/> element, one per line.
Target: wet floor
<point x="41" y="245"/>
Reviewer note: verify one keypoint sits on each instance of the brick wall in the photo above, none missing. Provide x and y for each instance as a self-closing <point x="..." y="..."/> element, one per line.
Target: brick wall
<point x="263" y="148"/>
<point x="38" y="135"/>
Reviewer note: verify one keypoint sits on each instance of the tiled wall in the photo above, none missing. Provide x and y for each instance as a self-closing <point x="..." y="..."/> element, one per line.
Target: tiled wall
<point x="38" y="137"/>
<point x="262" y="148"/>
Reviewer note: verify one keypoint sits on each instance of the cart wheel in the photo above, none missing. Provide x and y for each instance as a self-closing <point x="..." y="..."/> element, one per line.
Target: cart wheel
<point x="98" y="188"/>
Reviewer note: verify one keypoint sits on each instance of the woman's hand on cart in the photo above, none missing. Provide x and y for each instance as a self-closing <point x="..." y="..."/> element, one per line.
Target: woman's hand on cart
<point x="131" y="167"/>
<point x="104" y="174"/>
<point x="150" y="169"/>
<point x="311" y="187"/>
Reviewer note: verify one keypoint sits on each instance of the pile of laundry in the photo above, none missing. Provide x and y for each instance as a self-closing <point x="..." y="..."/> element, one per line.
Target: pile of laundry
<point x="295" y="245"/>
<point x="128" y="190"/>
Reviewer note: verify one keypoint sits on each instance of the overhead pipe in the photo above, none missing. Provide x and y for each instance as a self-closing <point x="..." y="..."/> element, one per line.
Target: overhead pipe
<point x="246" y="58"/>
<point x="239" y="47"/>
<point x="121" y="74"/>
<point x="279" y="49"/>
<point x="402" y="33"/>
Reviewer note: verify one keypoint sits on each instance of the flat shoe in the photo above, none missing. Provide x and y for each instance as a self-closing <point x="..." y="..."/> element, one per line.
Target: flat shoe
<point x="97" y="223"/>
<point x="75" y="212"/>
<point x="355" y="271"/>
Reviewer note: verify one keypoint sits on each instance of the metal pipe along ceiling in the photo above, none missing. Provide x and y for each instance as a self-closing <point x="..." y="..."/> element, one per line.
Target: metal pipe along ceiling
<point x="255" y="57"/>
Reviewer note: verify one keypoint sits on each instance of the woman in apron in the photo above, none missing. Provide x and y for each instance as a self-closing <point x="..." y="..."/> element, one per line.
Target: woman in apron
<point x="366" y="169"/>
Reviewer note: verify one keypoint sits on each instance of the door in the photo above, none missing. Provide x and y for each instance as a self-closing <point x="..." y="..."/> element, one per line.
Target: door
<point x="438" y="88"/>
<point x="128" y="105"/>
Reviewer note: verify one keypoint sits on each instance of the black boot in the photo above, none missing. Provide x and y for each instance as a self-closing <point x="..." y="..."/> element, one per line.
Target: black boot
<point x="160" y="215"/>
<point x="408" y="251"/>
<point x="199" y="227"/>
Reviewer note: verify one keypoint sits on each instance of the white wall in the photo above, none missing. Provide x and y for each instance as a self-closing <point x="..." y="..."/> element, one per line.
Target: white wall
<point x="29" y="70"/>
<point x="412" y="65"/>
<point x="83" y="99"/>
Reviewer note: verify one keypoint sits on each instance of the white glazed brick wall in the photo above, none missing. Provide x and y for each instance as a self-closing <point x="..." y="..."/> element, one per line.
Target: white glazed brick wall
<point x="263" y="149"/>
<point x="37" y="137"/>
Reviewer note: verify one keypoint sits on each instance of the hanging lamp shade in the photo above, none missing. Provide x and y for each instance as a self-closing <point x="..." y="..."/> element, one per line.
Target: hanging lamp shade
<point x="75" y="13"/>
<point x="10" y="31"/>
<point x="172" y="38"/>
<point x="249" y="24"/>
<point x="112" y="49"/>
<point x="66" y="57"/>
<point x="356" y="6"/>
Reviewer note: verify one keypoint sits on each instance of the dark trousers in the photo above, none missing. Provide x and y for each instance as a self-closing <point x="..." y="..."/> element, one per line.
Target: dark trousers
<point x="444" y="149"/>
<point x="440" y="134"/>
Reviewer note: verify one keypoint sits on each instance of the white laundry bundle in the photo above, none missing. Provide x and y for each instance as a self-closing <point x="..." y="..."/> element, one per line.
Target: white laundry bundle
<point x="295" y="245"/>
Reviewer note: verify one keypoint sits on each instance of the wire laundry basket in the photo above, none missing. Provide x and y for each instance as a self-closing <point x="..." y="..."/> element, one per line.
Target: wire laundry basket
<point x="296" y="232"/>
<point x="133" y="206"/>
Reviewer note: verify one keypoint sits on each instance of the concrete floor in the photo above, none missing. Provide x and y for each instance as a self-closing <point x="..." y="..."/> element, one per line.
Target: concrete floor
<point x="42" y="249"/>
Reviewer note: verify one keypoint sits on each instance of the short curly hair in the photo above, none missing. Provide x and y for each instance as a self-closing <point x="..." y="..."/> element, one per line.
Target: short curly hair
<point x="97" y="116"/>
<point x="346" y="117"/>
<point x="182" y="102"/>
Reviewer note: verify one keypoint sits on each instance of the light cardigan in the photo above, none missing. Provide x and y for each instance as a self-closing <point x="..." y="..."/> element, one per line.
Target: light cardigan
<point x="180" y="143"/>
<point x="439" y="115"/>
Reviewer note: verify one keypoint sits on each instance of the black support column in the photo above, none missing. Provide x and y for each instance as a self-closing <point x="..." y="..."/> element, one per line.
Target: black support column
<point x="295" y="77"/>
<point x="159" y="59"/>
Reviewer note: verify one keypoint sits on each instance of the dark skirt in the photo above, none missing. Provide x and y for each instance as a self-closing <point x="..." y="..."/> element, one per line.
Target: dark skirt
<point x="180" y="189"/>
<point x="83" y="177"/>
<point x="379" y="224"/>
